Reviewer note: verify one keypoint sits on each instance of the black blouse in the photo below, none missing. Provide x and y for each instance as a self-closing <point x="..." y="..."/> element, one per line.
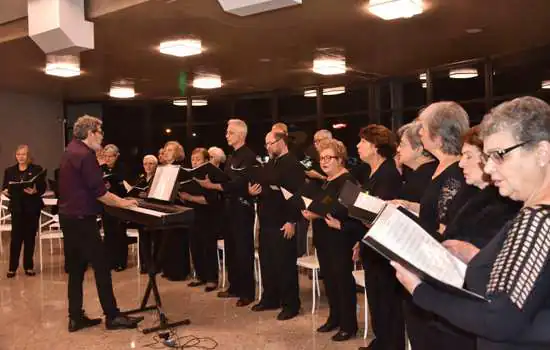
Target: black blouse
<point x="349" y="226"/>
<point x="513" y="273"/>
<point x="440" y="197"/>
<point x="482" y="217"/>
<point x="385" y="183"/>
<point x="415" y="182"/>
<point x="26" y="202"/>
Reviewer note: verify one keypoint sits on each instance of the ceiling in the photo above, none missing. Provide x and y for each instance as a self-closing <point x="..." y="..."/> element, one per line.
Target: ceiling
<point x="238" y="47"/>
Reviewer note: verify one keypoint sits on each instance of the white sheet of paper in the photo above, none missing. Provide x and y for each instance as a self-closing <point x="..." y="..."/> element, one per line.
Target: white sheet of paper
<point x="406" y="238"/>
<point x="307" y="201"/>
<point x="369" y="203"/>
<point x="286" y="193"/>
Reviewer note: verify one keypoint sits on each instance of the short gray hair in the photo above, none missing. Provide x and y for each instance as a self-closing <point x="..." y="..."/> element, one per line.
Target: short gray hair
<point x="323" y="133"/>
<point x="411" y="132"/>
<point x="239" y="124"/>
<point x="449" y="121"/>
<point x="218" y="153"/>
<point x="151" y="157"/>
<point x="527" y="118"/>
<point x="111" y="148"/>
<point x="84" y="124"/>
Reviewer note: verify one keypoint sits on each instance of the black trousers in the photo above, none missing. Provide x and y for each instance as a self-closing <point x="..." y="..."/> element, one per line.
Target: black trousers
<point x="426" y="331"/>
<point x="385" y="296"/>
<point x="334" y="251"/>
<point x="203" y="241"/>
<point x="239" y="249"/>
<point x="116" y="241"/>
<point x="174" y="254"/>
<point x="24" y="225"/>
<point x="279" y="271"/>
<point x="301" y="236"/>
<point x="83" y="246"/>
<point x="149" y="248"/>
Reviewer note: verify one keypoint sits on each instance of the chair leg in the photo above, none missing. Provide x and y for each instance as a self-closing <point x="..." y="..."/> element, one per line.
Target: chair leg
<point x="366" y="314"/>
<point x="40" y="249"/>
<point x="313" y="291"/>
<point x="138" y="259"/>
<point x="260" y="291"/>
<point x="223" y="268"/>
<point x="317" y="283"/>
<point x="1" y="243"/>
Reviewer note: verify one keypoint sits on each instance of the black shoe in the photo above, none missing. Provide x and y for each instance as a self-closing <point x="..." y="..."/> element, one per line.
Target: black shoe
<point x="287" y="315"/>
<point x="196" y="283"/>
<point x="371" y="346"/>
<point x="83" y="322"/>
<point x="227" y="294"/>
<point x="210" y="288"/>
<point x="264" y="307"/>
<point x="30" y="273"/>
<point x="343" y="336"/>
<point x="244" y="302"/>
<point x="327" y="327"/>
<point x="10" y="274"/>
<point x="123" y="322"/>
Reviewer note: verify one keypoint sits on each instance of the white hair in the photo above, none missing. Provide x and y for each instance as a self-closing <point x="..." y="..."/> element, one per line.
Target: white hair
<point x="111" y="148"/>
<point x="151" y="157"/>
<point x="218" y="153"/>
<point x="240" y="125"/>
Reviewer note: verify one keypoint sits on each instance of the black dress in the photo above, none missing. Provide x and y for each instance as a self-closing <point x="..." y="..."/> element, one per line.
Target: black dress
<point x="513" y="273"/>
<point x="334" y="250"/>
<point x="174" y="254"/>
<point x="442" y="199"/>
<point x="384" y="292"/>
<point x="25" y="214"/>
<point x="415" y="182"/>
<point x="115" y="238"/>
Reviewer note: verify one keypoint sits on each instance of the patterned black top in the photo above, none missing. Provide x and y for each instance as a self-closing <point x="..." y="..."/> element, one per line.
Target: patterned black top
<point x="512" y="271"/>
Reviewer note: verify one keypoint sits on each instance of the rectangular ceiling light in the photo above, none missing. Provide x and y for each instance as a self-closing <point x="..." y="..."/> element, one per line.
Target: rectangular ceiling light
<point x="393" y="9"/>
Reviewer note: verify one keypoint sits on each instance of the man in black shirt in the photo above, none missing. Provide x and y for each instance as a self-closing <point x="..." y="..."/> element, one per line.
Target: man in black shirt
<point x="239" y="237"/>
<point x="278" y="249"/>
<point x="81" y="189"/>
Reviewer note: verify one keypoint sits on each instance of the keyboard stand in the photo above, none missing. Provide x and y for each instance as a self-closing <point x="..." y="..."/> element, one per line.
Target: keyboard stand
<point x="152" y="287"/>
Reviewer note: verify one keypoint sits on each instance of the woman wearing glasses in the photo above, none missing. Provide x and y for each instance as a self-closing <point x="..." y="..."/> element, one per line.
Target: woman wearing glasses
<point x="334" y="249"/>
<point x="512" y="271"/>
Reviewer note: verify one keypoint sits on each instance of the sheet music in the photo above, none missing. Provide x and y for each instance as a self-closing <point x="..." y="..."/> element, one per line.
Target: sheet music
<point x="287" y="195"/>
<point x="164" y="182"/>
<point x="275" y="188"/>
<point x="369" y="203"/>
<point x="406" y="238"/>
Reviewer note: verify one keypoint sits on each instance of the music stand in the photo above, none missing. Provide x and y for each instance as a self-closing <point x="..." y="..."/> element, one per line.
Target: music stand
<point x="163" y="189"/>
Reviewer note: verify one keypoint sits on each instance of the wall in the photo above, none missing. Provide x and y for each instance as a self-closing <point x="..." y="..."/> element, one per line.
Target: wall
<point x="35" y="121"/>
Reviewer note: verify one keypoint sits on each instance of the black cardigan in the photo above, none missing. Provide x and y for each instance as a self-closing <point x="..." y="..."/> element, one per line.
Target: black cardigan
<point x="27" y="203"/>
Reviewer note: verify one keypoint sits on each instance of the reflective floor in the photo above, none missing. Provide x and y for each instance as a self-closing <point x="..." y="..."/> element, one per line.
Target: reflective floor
<point x="33" y="315"/>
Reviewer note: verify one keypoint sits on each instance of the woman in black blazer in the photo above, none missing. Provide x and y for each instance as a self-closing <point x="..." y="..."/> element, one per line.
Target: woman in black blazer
<point x="25" y="209"/>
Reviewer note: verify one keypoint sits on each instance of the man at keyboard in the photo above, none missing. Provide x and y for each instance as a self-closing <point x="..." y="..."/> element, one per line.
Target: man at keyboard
<point x="81" y="192"/>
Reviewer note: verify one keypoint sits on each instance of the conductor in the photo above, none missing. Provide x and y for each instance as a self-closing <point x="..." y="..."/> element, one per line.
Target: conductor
<point x="81" y="192"/>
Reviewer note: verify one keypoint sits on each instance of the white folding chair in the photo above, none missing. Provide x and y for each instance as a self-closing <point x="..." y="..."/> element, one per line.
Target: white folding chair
<point x="311" y="262"/>
<point x="359" y="276"/>
<point x="5" y="216"/>
<point x="48" y="230"/>
<point x="221" y="264"/>
<point x="134" y="233"/>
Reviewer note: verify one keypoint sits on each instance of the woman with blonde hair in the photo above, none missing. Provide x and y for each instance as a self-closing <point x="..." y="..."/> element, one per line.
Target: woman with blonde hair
<point x="25" y="205"/>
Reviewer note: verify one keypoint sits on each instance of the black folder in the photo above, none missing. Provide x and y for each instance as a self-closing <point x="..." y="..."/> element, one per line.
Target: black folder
<point x="216" y="175"/>
<point x="17" y="187"/>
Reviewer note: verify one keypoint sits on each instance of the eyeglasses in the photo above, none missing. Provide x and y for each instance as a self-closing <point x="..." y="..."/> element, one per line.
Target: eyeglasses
<point x="498" y="155"/>
<point x="267" y="144"/>
<point x="327" y="158"/>
<point x="317" y="141"/>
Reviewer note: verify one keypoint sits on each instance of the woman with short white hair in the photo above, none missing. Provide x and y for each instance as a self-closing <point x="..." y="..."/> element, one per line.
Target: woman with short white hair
<point x="217" y="156"/>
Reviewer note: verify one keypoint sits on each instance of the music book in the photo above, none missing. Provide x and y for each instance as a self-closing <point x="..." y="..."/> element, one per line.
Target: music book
<point x="307" y="163"/>
<point x="191" y="186"/>
<point x="19" y="186"/>
<point x="136" y="191"/>
<point x="319" y="203"/>
<point x="215" y="174"/>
